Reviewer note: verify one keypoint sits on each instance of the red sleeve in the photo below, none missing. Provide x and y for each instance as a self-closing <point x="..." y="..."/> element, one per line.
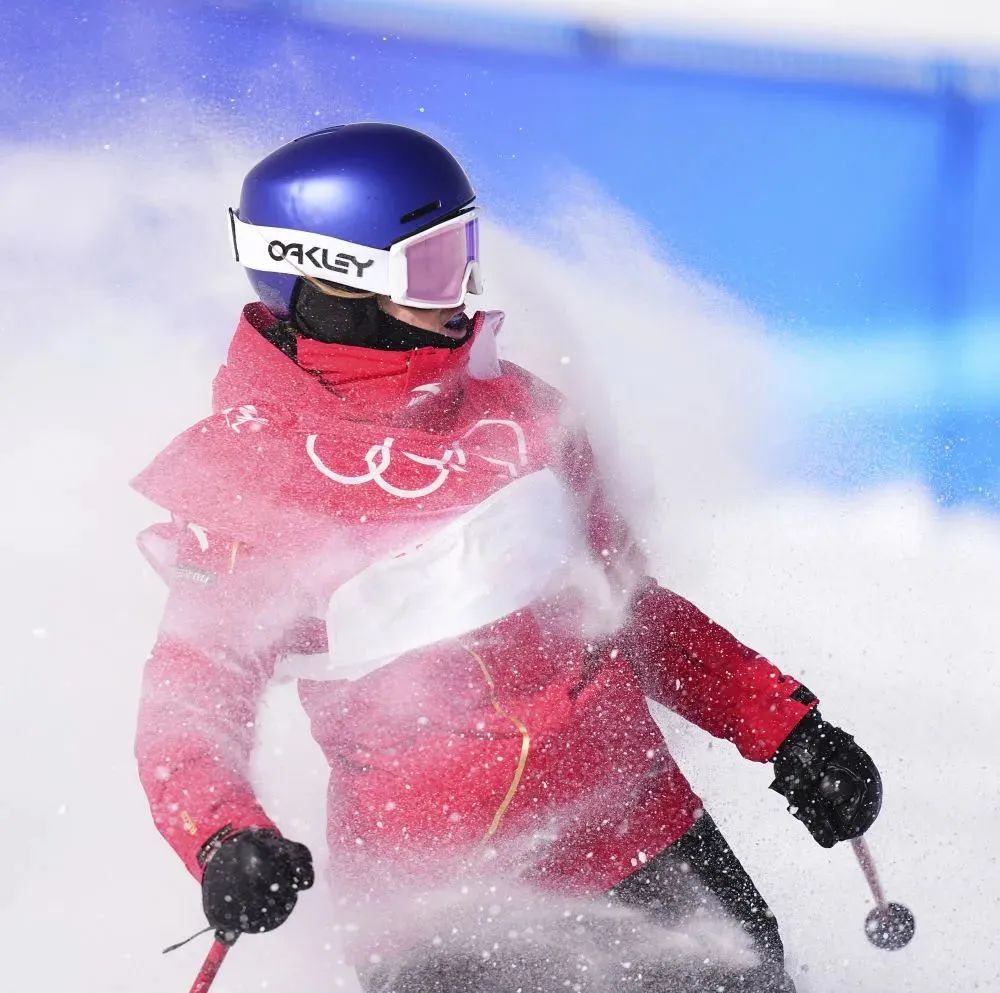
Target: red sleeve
<point x="683" y="659"/>
<point x="201" y="688"/>
<point x="607" y="532"/>
<point x="193" y="745"/>
<point x="688" y="663"/>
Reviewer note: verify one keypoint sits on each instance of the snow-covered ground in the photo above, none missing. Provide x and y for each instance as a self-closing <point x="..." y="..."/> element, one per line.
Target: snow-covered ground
<point x="117" y="312"/>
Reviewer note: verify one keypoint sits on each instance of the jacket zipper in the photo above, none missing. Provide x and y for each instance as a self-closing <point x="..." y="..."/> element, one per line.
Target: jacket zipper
<point x="525" y="743"/>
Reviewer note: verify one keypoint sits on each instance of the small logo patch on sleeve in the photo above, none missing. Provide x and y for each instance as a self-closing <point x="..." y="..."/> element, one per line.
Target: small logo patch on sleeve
<point x="243" y="418"/>
<point x="202" y="576"/>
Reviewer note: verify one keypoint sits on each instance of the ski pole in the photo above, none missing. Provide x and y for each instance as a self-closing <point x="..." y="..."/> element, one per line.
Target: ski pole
<point x="213" y="960"/>
<point x="867" y="863"/>
<point x="889" y="925"/>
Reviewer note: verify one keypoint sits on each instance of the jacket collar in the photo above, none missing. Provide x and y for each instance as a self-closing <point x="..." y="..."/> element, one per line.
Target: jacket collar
<point x="345" y="376"/>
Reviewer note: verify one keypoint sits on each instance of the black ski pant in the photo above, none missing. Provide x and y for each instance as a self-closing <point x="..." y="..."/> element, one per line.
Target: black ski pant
<point x="698" y="872"/>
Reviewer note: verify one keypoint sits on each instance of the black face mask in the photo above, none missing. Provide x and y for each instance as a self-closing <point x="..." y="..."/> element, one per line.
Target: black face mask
<point x="342" y="321"/>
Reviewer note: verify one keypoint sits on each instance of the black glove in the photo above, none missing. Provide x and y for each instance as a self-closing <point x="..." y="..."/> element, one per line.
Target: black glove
<point x="252" y="880"/>
<point x="831" y="784"/>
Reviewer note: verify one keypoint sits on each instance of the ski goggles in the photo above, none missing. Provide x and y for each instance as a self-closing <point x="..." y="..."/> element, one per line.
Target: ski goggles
<point x="434" y="268"/>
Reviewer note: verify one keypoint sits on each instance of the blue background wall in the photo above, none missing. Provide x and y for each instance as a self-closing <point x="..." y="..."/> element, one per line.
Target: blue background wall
<point x="852" y="201"/>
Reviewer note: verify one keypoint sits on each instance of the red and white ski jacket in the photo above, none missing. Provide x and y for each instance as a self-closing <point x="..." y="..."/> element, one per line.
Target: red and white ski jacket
<point x="422" y="541"/>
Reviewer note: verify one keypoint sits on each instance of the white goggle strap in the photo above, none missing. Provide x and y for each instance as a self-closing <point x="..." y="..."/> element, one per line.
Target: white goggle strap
<point x="300" y="253"/>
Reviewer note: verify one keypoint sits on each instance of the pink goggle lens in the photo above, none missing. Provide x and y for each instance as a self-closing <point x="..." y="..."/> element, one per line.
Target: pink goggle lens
<point x="436" y="265"/>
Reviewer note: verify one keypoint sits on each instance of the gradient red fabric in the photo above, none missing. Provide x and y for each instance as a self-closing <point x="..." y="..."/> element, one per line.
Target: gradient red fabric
<point x="528" y="737"/>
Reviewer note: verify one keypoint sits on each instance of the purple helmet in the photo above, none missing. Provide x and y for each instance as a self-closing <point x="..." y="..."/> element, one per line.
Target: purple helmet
<point x="366" y="184"/>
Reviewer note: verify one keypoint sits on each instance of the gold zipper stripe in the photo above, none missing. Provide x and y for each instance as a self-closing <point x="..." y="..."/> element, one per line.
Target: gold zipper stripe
<point x="525" y="744"/>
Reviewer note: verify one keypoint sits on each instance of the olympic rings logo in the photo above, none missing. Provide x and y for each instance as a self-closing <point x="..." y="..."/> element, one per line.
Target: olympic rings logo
<point x="453" y="459"/>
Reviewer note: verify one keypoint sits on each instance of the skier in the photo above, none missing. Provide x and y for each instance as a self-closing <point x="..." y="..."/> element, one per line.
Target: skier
<point x="416" y="531"/>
